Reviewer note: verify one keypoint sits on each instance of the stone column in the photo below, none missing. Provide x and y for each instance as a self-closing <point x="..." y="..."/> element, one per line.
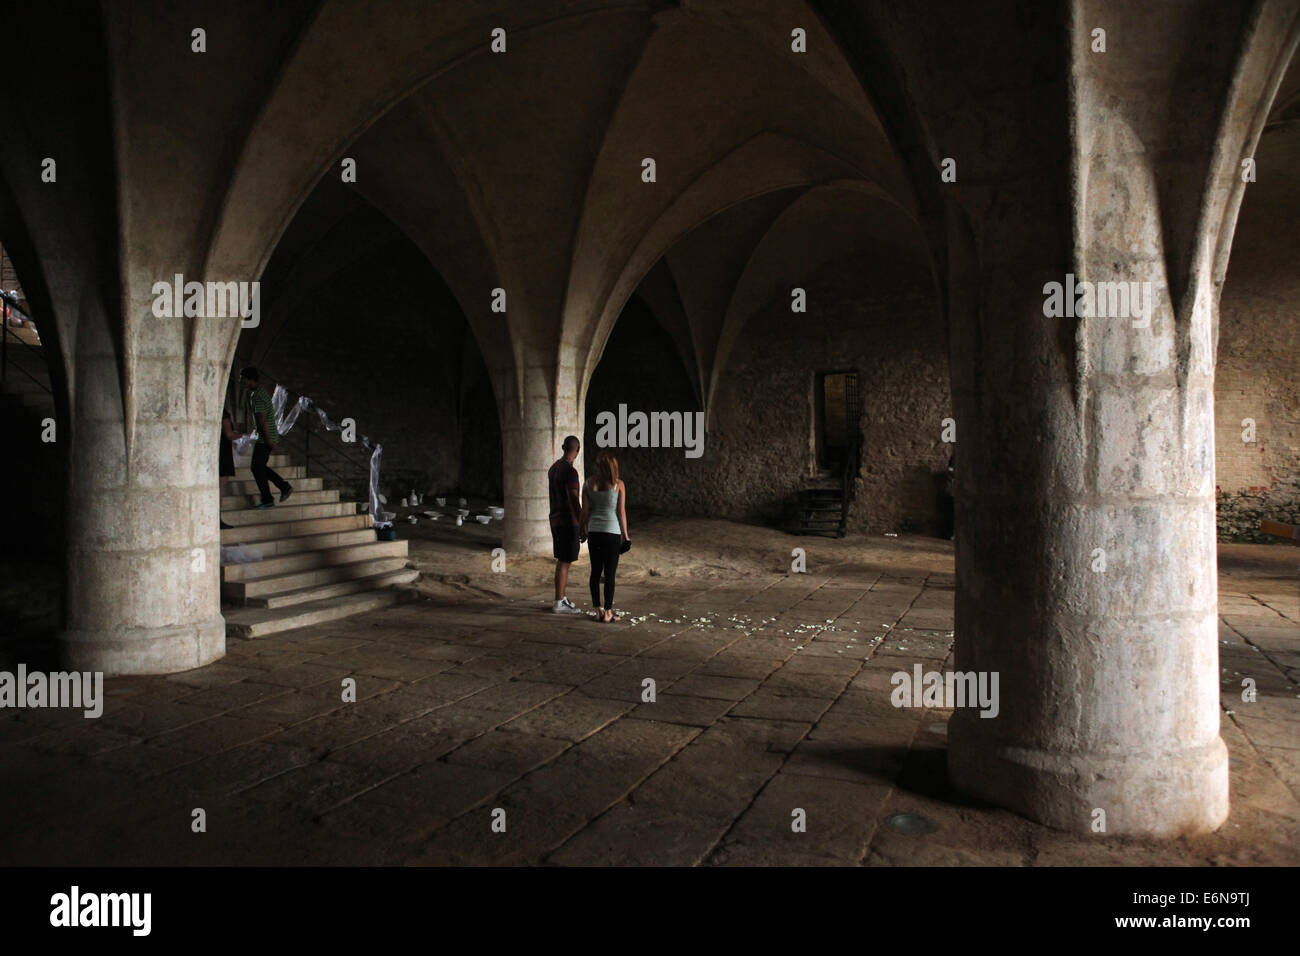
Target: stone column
<point x="533" y="426"/>
<point x="1086" y="561"/>
<point x="143" y="590"/>
<point x="1086" y="574"/>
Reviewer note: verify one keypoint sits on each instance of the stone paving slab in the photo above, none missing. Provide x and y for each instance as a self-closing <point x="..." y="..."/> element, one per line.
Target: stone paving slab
<point x="416" y="741"/>
<point x="676" y="708"/>
<point x="570" y="717"/>
<point x="634" y="835"/>
<point x="217" y="734"/>
<point x="512" y="753"/>
<point x="773" y="693"/>
<point x="839" y="818"/>
<point x="550" y="804"/>
<point x="772" y="706"/>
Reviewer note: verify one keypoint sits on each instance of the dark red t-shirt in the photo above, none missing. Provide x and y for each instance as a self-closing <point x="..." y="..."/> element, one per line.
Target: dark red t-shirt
<point x="563" y="481"/>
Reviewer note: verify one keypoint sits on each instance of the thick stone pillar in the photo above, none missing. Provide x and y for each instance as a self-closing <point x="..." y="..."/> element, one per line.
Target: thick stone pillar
<point x="1086" y="562"/>
<point x="143" y="591"/>
<point x="1086" y="574"/>
<point x="534" y="423"/>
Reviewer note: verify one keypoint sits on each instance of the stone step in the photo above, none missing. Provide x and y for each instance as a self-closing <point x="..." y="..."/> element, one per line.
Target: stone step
<point x="275" y="461"/>
<point x="32" y="401"/>
<point x="278" y="547"/>
<point x="310" y="560"/>
<point x="337" y="589"/>
<point x="253" y="622"/>
<point x="24" y="334"/>
<point x="16" y="383"/>
<point x="288" y="512"/>
<point x="282" y="584"/>
<point x="242" y="502"/>
<point x="288" y="472"/>
<point x="274" y="532"/>
<point x="247" y="486"/>
<point x="27" y="355"/>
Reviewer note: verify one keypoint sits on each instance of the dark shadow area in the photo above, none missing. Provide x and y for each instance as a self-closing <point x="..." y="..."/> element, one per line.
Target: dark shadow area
<point x="362" y="323"/>
<point x="642" y="369"/>
<point x="925" y="773"/>
<point x="31" y="610"/>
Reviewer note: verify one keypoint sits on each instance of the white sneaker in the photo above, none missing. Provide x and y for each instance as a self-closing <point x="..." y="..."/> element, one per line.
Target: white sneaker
<point x="568" y="603"/>
<point x="563" y="606"/>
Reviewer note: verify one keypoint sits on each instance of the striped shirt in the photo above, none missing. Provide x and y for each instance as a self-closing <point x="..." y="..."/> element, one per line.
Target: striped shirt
<point x="259" y="401"/>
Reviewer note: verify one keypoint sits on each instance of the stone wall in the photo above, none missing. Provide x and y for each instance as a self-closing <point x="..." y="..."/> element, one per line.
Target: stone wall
<point x="393" y="357"/>
<point x="758" y="450"/>
<point x="1258" y="371"/>
<point x="642" y="368"/>
<point x="480" y="447"/>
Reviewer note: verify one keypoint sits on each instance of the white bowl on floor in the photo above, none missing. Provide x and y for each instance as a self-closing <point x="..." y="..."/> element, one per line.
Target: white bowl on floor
<point x="483" y="519"/>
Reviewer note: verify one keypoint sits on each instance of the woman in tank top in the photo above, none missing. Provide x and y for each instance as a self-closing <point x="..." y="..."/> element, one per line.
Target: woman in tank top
<point x="604" y="523"/>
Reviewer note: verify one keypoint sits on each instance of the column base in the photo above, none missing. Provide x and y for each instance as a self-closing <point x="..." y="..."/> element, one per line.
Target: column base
<point x="527" y="537"/>
<point x="140" y="651"/>
<point x="1157" y="795"/>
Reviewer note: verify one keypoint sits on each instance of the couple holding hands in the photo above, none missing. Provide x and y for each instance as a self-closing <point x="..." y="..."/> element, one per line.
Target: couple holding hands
<point x="599" y="517"/>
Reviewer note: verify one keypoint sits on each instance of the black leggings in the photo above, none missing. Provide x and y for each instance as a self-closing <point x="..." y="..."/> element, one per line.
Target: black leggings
<point x="602" y="547"/>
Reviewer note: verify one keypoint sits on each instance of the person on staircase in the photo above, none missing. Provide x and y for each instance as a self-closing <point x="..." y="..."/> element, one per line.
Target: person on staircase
<point x="226" y="456"/>
<point x="268" y="438"/>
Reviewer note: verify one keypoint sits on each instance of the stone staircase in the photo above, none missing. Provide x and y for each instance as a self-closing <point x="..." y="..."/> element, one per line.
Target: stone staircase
<point x="27" y="378"/>
<point x="34" y="483"/>
<point x="318" y="557"/>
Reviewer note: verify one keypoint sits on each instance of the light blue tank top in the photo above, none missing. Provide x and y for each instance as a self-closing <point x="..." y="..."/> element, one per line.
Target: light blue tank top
<point x="604" y="511"/>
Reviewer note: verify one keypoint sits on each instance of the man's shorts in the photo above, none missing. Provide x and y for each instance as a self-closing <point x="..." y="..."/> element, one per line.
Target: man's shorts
<point x="567" y="545"/>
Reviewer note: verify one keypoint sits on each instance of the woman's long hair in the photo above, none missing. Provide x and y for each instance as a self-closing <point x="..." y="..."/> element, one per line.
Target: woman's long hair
<point x="607" y="469"/>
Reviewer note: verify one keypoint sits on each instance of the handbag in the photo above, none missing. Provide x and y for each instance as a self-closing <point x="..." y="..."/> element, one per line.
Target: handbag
<point x="627" y="546"/>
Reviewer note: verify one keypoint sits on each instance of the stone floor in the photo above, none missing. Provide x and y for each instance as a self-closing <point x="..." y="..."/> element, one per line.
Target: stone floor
<point x="772" y="696"/>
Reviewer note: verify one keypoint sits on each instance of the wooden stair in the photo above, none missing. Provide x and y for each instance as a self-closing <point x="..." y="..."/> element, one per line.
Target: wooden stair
<point x="318" y="558"/>
<point x="821" y="511"/>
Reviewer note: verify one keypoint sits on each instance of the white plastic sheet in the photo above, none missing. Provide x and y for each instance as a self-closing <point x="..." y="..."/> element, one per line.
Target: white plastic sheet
<point x="286" y="418"/>
<point x="239" y="554"/>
